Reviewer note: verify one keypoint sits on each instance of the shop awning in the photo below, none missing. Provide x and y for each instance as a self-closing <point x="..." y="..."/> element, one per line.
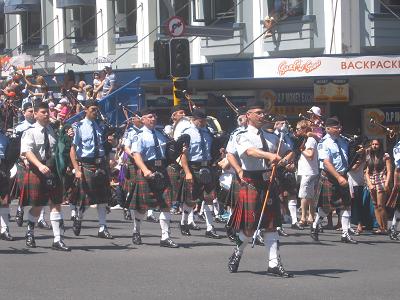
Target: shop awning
<point x="73" y="3"/>
<point x="21" y="6"/>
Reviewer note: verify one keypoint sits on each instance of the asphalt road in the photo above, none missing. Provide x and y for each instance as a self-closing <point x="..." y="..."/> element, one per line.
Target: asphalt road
<point x="115" y="269"/>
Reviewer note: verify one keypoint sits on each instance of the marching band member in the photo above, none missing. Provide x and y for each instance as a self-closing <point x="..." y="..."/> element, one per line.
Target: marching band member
<point x="4" y="191"/>
<point x="88" y="159"/>
<point x="333" y="185"/>
<point x="42" y="185"/>
<point x="256" y="148"/>
<point x="200" y="176"/>
<point x="394" y="234"/>
<point x="152" y="182"/>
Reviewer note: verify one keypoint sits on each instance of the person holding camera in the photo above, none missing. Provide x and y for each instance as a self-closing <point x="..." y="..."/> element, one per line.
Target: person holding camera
<point x="41" y="184"/>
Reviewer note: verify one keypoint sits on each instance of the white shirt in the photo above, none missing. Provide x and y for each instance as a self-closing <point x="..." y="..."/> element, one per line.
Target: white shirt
<point x="307" y="166"/>
<point x="250" y="138"/>
<point x="33" y="141"/>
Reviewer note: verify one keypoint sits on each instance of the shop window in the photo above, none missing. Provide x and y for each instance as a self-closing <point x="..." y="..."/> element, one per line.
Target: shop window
<point x="84" y="24"/>
<point x="181" y="7"/>
<point x="2" y="31"/>
<point x="215" y="12"/>
<point x="30" y="25"/>
<point x="125" y="17"/>
<point x="393" y="5"/>
<point x="281" y="9"/>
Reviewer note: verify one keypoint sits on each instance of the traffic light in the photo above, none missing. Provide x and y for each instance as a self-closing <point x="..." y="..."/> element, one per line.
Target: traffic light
<point x="161" y="59"/>
<point x="179" y="50"/>
<point x="179" y="86"/>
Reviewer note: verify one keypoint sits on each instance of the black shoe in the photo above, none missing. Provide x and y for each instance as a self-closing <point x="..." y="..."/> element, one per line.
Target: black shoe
<point x="136" y="238"/>
<point x="127" y="214"/>
<point x="60" y="246"/>
<point x="297" y="226"/>
<point x="73" y="218"/>
<point x="185" y="230"/>
<point x="19" y="218"/>
<point x="281" y="232"/>
<point x="168" y="243"/>
<point x="259" y="240"/>
<point x="193" y="226"/>
<point x="6" y="236"/>
<point x="279" y="271"/>
<point x="212" y="234"/>
<point x="30" y="240"/>
<point x="234" y="260"/>
<point x="76" y="226"/>
<point x="43" y="224"/>
<point x="348" y="239"/>
<point x="152" y="219"/>
<point x="314" y="234"/>
<point x="105" y="234"/>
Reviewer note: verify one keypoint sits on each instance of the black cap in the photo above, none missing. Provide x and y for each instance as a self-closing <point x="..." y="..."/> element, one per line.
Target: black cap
<point x="199" y="114"/>
<point x="91" y="102"/>
<point x="279" y="118"/>
<point x="137" y="113"/>
<point x="333" y="121"/>
<point x="176" y="108"/>
<point x="147" y="111"/>
<point x="253" y="104"/>
<point x="27" y="106"/>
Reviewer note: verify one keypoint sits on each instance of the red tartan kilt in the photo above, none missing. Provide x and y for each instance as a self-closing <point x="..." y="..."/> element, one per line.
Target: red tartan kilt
<point x="232" y="195"/>
<point x="34" y="191"/>
<point x="247" y="211"/>
<point x="144" y="197"/>
<point x="332" y="196"/>
<point x="130" y="179"/>
<point x="91" y="192"/>
<point x="196" y="191"/>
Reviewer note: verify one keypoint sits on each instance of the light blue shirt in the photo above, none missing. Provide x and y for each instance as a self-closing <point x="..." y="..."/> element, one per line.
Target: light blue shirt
<point x="396" y="154"/>
<point x="129" y="136"/>
<point x="328" y="149"/>
<point x="21" y="127"/>
<point x="84" y="139"/>
<point x="144" y="143"/>
<point x="195" y="152"/>
<point x="3" y="145"/>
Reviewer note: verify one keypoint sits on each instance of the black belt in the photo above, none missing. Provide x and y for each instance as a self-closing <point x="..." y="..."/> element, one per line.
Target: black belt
<point x="256" y="175"/>
<point x="91" y="160"/>
<point x="199" y="164"/>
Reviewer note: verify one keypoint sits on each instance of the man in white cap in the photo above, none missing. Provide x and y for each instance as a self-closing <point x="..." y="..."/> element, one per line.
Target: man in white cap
<point x="316" y="119"/>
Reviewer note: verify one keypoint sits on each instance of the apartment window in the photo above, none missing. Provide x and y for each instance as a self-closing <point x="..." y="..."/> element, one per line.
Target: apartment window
<point x="125" y="17"/>
<point x="393" y="5"/>
<point x="181" y="7"/>
<point x="84" y="23"/>
<point x="214" y="12"/>
<point x="281" y="9"/>
<point x="2" y="31"/>
<point x="30" y="25"/>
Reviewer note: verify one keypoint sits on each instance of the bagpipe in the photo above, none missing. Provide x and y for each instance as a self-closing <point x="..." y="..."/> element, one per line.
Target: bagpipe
<point x="390" y="132"/>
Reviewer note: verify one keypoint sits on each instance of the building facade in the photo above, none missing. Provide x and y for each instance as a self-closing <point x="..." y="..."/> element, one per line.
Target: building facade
<point x="229" y="39"/>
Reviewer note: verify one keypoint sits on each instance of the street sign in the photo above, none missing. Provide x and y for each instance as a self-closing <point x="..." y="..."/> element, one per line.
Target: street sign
<point x="176" y="26"/>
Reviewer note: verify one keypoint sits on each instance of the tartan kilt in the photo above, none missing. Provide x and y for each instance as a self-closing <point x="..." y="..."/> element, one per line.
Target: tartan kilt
<point x="176" y="177"/>
<point x="19" y="179"/>
<point x="247" y="211"/>
<point x="90" y="191"/>
<point x="145" y="197"/>
<point x="331" y="194"/>
<point x="71" y="189"/>
<point x="4" y="189"/>
<point x="191" y="192"/>
<point x="230" y="197"/>
<point x="394" y="197"/>
<point x="35" y="192"/>
<point x="129" y="183"/>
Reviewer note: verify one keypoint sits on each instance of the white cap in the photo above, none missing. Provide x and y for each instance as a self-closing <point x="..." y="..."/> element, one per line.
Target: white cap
<point x="58" y="107"/>
<point x="315" y="110"/>
<point x="63" y="100"/>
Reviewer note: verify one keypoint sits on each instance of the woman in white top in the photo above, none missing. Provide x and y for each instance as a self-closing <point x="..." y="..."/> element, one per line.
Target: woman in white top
<point x="308" y="171"/>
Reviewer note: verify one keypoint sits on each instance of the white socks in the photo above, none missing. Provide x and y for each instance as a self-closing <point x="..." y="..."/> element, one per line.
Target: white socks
<point x="345" y="218"/>
<point x="165" y="217"/>
<point x="292" y="204"/>
<point x="55" y="218"/>
<point x="191" y="217"/>
<point x="216" y="207"/>
<point x="271" y="240"/>
<point x="319" y="216"/>
<point x="149" y="212"/>
<point x="186" y="211"/>
<point x="102" y="212"/>
<point x="396" y="217"/>
<point x="137" y="220"/>
<point x="4" y="219"/>
<point x="73" y="210"/>
<point x="41" y="217"/>
<point x="209" y="217"/>
<point x="241" y="242"/>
